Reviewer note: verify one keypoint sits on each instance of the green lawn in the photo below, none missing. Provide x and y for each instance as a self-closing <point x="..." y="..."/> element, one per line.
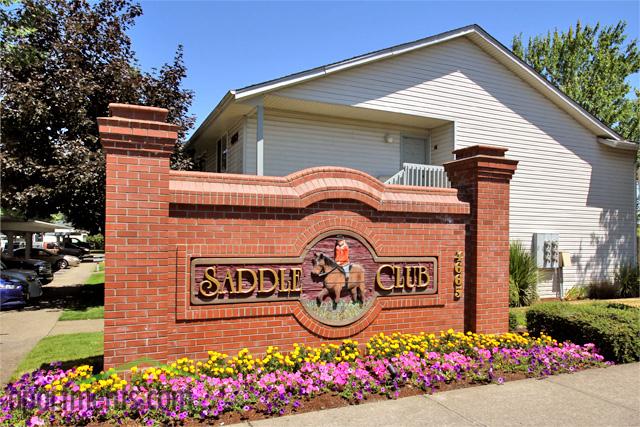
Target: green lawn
<point x="71" y="349"/>
<point x="96" y="278"/>
<point x="88" y="309"/>
<point x="87" y="313"/>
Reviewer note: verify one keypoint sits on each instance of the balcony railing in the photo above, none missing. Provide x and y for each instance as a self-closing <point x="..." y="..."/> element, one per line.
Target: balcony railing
<point x="420" y="175"/>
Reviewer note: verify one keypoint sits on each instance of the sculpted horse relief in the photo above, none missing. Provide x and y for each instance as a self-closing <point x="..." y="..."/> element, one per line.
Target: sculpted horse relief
<point x="335" y="279"/>
<point x="339" y="270"/>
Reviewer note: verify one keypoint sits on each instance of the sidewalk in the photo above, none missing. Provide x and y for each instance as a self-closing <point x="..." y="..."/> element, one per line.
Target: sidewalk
<point x="75" y="276"/>
<point x="77" y="326"/>
<point x="21" y="330"/>
<point x="16" y="340"/>
<point x="596" y="397"/>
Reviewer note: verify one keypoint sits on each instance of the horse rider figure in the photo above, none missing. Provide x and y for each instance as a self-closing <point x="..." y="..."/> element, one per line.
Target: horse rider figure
<point x="342" y="256"/>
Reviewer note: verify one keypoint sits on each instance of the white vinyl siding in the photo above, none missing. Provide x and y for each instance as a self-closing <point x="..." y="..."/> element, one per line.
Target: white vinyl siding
<point x="295" y="141"/>
<point x="234" y="152"/>
<point x="210" y="157"/>
<point x="250" y="146"/>
<point x="566" y="181"/>
<point x="442" y="144"/>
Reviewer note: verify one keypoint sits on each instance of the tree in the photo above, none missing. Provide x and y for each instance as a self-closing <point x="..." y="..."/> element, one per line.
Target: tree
<point x="63" y="62"/>
<point x="592" y="65"/>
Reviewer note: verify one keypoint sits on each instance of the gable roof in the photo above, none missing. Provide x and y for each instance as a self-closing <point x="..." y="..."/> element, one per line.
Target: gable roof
<point x="474" y="32"/>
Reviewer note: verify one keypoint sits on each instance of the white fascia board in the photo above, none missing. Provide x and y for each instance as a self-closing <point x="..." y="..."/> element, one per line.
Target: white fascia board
<point x="419" y="45"/>
<point x="279" y="84"/>
<point x="619" y="144"/>
<point x="222" y="105"/>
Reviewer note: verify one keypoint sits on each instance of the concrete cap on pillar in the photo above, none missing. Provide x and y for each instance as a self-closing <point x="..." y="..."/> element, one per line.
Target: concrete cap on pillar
<point x="138" y="112"/>
<point x="137" y="130"/>
<point x="479" y="150"/>
<point x="482" y="161"/>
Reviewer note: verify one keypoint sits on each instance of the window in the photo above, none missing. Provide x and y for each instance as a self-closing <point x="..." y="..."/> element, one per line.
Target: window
<point x="221" y="151"/>
<point x="200" y="162"/>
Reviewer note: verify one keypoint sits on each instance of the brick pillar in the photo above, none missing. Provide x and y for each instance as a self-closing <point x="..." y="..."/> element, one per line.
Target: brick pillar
<point x="482" y="175"/>
<point x="137" y="143"/>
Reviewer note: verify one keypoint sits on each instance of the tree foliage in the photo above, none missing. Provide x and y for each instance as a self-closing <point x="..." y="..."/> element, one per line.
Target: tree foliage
<point x="63" y="62"/>
<point x="591" y="64"/>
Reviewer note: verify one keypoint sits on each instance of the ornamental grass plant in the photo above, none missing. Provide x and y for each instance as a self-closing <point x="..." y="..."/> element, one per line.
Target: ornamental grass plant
<point x="627" y="280"/>
<point x="523" y="276"/>
<point x="280" y="382"/>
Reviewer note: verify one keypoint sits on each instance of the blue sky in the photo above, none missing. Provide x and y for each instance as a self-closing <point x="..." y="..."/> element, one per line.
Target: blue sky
<point x="229" y="45"/>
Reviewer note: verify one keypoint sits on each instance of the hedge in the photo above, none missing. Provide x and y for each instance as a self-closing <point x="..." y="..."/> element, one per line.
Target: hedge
<point x="613" y="328"/>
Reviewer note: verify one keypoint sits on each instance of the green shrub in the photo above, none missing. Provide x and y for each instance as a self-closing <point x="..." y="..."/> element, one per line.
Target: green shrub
<point x="602" y="290"/>
<point x="627" y="281"/>
<point x="613" y="328"/>
<point x="523" y="276"/>
<point x="96" y="240"/>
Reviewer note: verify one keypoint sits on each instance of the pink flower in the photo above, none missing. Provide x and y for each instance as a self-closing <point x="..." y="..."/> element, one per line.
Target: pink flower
<point x="35" y="421"/>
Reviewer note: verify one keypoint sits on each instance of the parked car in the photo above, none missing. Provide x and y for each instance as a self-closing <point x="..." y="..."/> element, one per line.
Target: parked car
<point x="77" y="242"/>
<point x="31" y="285"/>
<point x="41" y="268"/>
<point x="68" y="248"/>
<point x="11" y="294"/>
<point x="57" y="261"/>
<point x="73" y="261"/>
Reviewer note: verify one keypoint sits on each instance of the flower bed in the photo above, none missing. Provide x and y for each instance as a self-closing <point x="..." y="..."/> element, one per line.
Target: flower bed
<point x="280" y="383"/>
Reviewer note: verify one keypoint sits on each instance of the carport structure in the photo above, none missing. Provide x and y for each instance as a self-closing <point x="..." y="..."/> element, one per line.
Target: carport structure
<point x="12" y="227"/>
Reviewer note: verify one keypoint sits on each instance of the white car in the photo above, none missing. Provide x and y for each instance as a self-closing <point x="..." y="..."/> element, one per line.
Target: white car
<point x="72" y="261"/>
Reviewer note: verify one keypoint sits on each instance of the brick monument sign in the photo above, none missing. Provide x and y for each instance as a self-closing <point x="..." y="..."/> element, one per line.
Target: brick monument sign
<point x="201" y="261"/>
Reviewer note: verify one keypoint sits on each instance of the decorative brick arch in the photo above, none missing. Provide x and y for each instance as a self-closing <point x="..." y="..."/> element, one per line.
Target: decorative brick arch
<point x="324" y="229"/>
<point x="159" y="221"/>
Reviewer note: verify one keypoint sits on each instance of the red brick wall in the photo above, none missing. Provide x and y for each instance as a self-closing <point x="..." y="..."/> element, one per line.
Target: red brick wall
<point x="482" y="176"/>
<point x="137" y="146"/>
<point x="158" y="220"/>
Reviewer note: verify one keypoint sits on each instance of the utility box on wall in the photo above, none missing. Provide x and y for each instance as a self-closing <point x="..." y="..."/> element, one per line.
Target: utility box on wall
<point x="546" y="250"/>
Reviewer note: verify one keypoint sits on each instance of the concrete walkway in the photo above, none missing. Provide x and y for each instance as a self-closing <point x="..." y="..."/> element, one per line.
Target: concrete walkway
<point x="21" y="330"/>
<point x="74" y="276"/>
<point x="596" y="397"/>
<point x="77" y="326"/>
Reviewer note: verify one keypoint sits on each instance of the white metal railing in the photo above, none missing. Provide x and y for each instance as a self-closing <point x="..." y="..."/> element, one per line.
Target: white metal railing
<point x="420" y="175"/>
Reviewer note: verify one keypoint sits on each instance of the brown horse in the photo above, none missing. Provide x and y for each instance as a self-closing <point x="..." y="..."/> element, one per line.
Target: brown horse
<point x="333" y="279"/>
